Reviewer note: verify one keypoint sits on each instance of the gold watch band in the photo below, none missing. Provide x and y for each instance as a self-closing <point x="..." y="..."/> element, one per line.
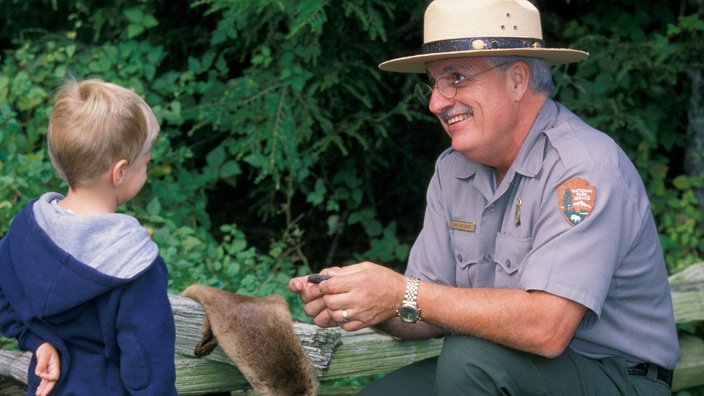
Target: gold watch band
<point x="412" y="289"/>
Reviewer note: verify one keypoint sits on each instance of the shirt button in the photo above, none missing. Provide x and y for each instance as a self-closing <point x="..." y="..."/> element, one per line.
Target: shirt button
<point x="459" y="258"/>
<point x="492" y="207"/>
<point x="508" y="263"/>
<point x="487" y="257"/>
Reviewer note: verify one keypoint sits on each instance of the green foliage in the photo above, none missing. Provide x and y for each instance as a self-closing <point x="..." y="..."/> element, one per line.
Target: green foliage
<point x="25" y="171"/>
<point x="287" y="114"/>
<point x="284" y="149"/>
<point x="632" y="87"/>
<point x="258" y="112"/>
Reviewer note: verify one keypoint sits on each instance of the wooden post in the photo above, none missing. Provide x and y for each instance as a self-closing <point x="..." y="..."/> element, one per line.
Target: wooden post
<point x="338" y="354"/>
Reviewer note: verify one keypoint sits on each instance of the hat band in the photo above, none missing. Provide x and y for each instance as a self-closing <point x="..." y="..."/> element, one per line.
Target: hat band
<point x="481" y="43"/>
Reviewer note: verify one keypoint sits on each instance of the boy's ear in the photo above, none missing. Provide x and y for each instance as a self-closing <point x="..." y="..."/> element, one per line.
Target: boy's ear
<point x="118" y="172"/>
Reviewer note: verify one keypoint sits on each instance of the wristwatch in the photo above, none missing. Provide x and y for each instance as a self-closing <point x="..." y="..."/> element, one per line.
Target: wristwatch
<point x="409" y="311"/>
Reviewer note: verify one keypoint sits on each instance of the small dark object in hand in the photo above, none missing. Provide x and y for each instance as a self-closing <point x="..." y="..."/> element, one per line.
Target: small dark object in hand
<point x="317" y="278"/>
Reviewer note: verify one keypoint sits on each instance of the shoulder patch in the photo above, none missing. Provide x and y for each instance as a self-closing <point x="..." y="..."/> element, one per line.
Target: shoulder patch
<point x="576" y="200"/>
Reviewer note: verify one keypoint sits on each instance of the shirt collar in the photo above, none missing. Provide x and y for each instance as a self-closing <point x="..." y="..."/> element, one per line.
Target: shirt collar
<point x="529" y="160"/>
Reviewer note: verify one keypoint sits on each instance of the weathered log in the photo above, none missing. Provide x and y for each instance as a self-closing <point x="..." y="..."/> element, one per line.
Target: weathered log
<point x="690" y="368"/>
<point x="358" y="353"/>
<point x="319" y="343"/>
<point x="688" y="294"/>
<point x="14" y="365"/>
<point x="367" y="352"/>
<point x="363" y="352"/>
<point x="688" y="300"/>
<point x="337" y="354"/>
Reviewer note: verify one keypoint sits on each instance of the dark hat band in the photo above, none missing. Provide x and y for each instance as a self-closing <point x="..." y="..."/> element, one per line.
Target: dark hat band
<point x="481" y="43"/>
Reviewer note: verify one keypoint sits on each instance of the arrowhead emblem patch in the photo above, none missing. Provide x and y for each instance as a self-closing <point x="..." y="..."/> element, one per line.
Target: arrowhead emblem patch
<point x="576" y="199"/>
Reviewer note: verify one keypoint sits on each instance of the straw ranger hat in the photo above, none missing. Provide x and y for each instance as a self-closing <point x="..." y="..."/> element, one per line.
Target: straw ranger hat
<point x="475" y="28"/>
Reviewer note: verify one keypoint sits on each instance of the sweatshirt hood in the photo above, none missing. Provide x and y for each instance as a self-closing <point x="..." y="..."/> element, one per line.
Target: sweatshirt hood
<point x="67" y="259"/>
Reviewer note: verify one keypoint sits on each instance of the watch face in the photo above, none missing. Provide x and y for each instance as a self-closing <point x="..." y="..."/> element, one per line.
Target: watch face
<point x="408" y="314"/>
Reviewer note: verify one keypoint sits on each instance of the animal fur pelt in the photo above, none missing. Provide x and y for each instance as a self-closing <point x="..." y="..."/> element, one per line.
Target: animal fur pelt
<point x="257" y="334"/>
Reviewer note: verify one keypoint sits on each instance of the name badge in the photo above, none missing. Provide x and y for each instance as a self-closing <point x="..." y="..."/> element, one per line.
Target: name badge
<point x="467" y="226"/>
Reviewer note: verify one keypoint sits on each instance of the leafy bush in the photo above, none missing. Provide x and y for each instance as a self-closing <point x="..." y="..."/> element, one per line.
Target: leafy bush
<point x="635" y="88"/>
<point x="284" y="149"/>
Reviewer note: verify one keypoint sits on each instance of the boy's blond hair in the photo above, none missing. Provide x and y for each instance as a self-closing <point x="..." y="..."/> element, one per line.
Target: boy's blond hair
<point x="95" y="123"/>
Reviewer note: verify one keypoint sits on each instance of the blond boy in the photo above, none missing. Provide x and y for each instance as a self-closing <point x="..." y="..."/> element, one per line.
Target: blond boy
<point x="78" y="276"/>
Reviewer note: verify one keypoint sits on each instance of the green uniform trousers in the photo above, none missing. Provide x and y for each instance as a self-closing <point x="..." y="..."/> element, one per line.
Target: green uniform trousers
<point x="469" y="366"/>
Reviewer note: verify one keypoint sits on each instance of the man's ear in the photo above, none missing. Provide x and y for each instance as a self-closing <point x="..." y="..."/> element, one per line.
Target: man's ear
<point x="519" y="74"/>
<point x="118" y="171"/>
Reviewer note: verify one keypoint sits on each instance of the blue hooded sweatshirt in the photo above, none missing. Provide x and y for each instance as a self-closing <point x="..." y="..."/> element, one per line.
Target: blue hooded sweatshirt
<point x="96" y="288"/>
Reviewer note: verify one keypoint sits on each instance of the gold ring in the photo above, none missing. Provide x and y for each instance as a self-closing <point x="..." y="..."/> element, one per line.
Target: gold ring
<point x="345" y="318"/>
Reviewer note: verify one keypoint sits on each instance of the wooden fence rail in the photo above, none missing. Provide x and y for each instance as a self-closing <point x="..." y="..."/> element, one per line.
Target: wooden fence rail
<point x="337" y="354"/>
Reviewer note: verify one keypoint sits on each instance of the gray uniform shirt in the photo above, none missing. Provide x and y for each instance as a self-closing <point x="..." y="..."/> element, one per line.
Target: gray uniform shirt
<point x="571" y="218"/>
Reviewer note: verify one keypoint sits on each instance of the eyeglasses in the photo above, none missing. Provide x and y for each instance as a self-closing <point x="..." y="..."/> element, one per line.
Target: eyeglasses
<point x="447" y="86"/>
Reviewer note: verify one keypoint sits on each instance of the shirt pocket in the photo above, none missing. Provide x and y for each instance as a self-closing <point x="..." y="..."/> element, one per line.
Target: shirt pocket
<point x="465" y="247"/>
<point x="509" y="258"/>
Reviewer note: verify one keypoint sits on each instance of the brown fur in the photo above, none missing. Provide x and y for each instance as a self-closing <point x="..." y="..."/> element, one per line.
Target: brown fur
<point x="257" y="334"/>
